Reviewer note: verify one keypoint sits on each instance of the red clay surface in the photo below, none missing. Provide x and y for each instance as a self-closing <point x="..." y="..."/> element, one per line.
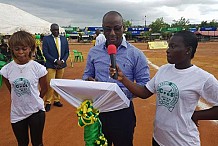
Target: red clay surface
<point x="61" y="127"/>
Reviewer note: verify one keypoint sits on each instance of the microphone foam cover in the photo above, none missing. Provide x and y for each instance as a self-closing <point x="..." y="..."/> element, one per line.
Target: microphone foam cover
<point x="112" y="49"/>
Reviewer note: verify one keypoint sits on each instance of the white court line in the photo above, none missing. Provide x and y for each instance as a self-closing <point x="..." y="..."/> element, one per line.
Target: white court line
<point x="201" y="105"/>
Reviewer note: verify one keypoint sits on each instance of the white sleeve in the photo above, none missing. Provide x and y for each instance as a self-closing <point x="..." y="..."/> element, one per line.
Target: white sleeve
<point x="41" y="70"/>
<point x="210" y="91"/>
<point x="151" y="85"/>
<point x="4" y="71"/>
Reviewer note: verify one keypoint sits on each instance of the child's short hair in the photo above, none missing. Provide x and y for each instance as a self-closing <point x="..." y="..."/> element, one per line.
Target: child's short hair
<point x="190" y="40"/>
<point x="22" y="38"/>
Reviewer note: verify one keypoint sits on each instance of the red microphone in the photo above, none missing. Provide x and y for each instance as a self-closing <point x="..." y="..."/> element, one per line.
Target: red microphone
<point x="112" y="50"/>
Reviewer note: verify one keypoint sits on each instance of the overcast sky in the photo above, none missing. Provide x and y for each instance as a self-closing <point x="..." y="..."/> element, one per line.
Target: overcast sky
<point x="83" y="13"/>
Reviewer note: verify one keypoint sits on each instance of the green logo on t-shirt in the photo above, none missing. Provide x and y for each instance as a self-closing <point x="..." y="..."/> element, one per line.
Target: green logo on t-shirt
<point x="21" y="87"/>
<point x="167" y="95"/>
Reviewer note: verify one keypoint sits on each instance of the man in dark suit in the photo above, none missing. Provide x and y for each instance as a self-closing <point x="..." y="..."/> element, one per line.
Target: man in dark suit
<point x="56" y="51"/>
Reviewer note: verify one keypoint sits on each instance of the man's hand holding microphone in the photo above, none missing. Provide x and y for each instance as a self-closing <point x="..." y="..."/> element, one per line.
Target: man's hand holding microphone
<point x="115" y="71"/>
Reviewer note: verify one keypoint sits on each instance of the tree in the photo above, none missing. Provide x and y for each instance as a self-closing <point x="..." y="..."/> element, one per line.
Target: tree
<point x="182" y="22"/>
<point x="157" y="25"/>
<point x="213" y="23"/>
<point x="127" y="23"/>
<point x="203" y="24"/>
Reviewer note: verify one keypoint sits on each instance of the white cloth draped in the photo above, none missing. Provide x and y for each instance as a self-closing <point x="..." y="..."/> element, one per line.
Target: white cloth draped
<point x="105" y="96"/>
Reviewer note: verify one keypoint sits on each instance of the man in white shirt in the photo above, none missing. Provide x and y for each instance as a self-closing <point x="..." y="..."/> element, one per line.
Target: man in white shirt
<point x="100" y="38"/>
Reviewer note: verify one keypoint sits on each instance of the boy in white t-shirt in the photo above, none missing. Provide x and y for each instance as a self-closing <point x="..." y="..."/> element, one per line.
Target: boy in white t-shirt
<point x="100" y="38"/>
<point x="178" y="86"/>
<point x="22" y="77"/>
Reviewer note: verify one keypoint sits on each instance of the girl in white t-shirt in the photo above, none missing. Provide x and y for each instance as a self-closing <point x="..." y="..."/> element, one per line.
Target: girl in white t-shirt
<point x="178" y="86"/>
<point x="23" y="76"/>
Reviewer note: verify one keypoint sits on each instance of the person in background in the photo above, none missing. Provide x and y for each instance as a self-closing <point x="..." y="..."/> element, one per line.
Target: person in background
<point x="3" y="47"/>
<point x="56" y="51"/>
<point x="4" y="50"/>
<point x="23" y="77"/>
<point x="39" y="56"/>
<point x="117" y="126"/>
<point x="100" y="38"/>
<point x="178" y="86"/>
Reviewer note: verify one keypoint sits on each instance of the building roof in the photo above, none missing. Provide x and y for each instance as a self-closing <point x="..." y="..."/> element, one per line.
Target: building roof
<point x="207" y="33"/>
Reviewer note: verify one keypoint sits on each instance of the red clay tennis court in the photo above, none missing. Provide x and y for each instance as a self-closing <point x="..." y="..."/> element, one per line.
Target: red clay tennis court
<point x="61" y="127"/>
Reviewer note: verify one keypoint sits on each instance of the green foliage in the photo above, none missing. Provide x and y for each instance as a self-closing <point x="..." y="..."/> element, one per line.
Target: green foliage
<point x="146" y="34"/>
<point x="128" y="35"/>
<point x="157" y="25"/>
<point x="182" y="22"/>
<point x="213" y="23"/>
<point x="127" y="23"/>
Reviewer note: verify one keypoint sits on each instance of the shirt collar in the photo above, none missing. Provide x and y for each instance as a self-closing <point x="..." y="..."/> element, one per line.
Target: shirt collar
<point x="55" y="37"/>
<point x="123" y="44"/>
